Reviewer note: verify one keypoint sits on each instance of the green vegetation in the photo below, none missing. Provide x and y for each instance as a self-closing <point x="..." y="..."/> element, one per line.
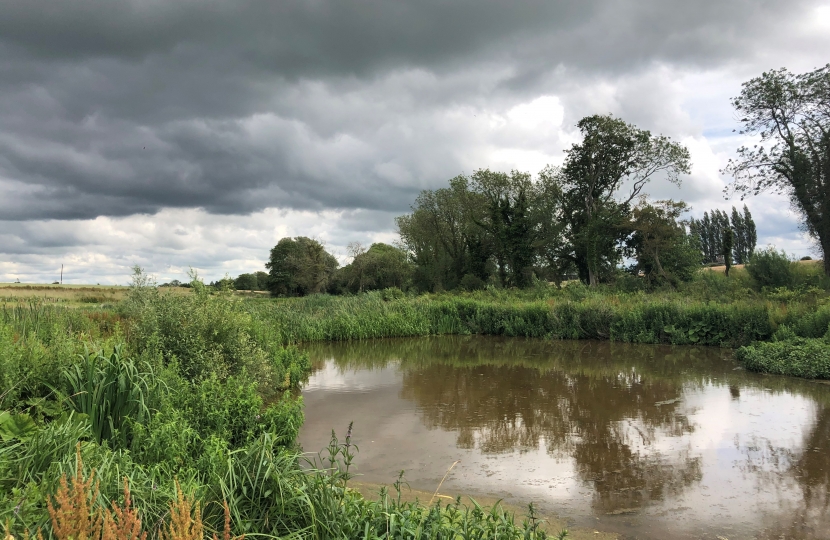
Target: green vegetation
<point x="789" y="112"/>
<point x="797" y="357"/>
<point x="186" y="398"/>
<point x="709" y="233"/>
<point x="191" y="396"/>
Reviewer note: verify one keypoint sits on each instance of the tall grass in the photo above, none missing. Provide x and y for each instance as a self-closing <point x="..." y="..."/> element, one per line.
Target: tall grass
<point x="618" y="318"/>
<point x="112" y="392"/>
<point x="197" y="389"/>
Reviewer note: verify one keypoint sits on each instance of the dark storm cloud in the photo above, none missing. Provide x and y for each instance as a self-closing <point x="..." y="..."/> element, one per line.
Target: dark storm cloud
<point x="116" y="108"/>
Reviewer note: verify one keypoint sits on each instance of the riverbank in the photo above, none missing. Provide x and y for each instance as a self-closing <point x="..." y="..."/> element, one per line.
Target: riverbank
<point x="180" y="408"/>
<point x="716" y="311"/>
<point x="199" y="386"/>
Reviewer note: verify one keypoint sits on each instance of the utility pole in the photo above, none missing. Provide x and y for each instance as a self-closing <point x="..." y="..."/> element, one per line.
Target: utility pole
<point x="61" y="274"/>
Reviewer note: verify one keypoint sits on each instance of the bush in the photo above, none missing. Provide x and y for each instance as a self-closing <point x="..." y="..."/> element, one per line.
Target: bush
<point x="471" y="282"/>
<point x="797" y="357"/>
<point x="770" y="268"/>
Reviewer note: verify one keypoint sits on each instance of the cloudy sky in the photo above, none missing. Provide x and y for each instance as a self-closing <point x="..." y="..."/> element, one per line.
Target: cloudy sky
<point x="198" y="133"/>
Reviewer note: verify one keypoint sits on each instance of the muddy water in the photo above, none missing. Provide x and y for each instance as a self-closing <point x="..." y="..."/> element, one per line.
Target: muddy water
<point x="645" y="441"/>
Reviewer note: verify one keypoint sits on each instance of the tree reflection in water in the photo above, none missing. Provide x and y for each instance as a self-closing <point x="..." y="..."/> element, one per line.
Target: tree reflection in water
<point x="606" y="419"/>
<point x="603" y="405"/>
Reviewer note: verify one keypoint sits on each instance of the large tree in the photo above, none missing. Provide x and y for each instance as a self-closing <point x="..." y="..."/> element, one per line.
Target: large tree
<point x="380" y="267"/>
<point x="442" y="237"/>
<point x="664" y="252"/>
<point x="508" y="222"/>
<point x="299" y="266"/>
<point x="551" y="237"/>
<point x="602" y="175"/>
<point x="791" y="116"/>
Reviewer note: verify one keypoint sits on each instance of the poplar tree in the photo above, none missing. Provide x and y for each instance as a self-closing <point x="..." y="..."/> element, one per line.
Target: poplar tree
<point x="727" y="249"/>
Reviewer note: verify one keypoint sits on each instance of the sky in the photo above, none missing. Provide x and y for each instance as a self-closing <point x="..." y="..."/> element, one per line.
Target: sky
<point x="197" y="133"/>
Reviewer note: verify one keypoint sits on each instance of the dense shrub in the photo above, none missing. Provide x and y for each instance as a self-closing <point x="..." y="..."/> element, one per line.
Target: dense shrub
<point x="798" y="357"/>
<point x="770" y="268"/>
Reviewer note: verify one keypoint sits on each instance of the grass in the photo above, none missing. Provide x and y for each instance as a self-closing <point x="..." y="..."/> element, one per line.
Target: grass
<point x="71" y="295"/>
<point x="181" y="394"/>
<point x="193" y="392"/>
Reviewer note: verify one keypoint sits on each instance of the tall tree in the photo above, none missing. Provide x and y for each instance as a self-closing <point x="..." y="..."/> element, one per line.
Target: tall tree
<point x="727" y="244"/>
<point x="709" y="230"/>
<point x="791" y="114"/>
<point x="612" y="155"/>
<point x="739" y="233"/>
<point x="299" y="266"/>
<point x="663" y="251"/>
<point x="508" y="222"/>
<point x="751" y="235"/>
<point x="442" y="238"/>
<point x="552" y="227"/>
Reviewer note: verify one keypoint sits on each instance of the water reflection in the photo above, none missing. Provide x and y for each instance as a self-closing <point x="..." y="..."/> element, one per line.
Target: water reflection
<point x="677" y="437"/>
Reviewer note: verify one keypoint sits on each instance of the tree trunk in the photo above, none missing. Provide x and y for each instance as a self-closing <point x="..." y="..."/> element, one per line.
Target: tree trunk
<point x="593" y="281"/>
<point x="825" y="254"/>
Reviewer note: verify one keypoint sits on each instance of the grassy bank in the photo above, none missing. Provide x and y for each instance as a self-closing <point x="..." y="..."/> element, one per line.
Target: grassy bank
<point x="199" y="388"/>
<point x="189" y="399"/>
<point x="712" y="310"/>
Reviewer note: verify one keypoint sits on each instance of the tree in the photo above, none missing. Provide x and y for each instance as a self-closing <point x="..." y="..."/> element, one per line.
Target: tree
<point x="442" y="238"/>
<point x="791" y="115"/>
<point x="261" y="280"/>
<point x="746" y="237"/>
<point x="508" y="222"/>
<point x="551" y="240"/>
<point x="299" y="266"/>
<point x="728" y="238"/>
<point x="356" y="271"/>
<point x="750" y="235"/>
<point x="380" y="267"/>
<point x="611" y="156"/>
<point x="708" y="232"/>
<point x="245" y="282"/>
<point x="660" y="244"/>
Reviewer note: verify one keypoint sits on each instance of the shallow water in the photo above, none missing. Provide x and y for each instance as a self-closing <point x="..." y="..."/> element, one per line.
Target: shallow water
<point x="646" y="441"/>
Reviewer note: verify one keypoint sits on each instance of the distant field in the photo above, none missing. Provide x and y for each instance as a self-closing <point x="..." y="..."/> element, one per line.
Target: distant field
<point x="71" y="294"/>
<point x="78" y="295"/>
<point x="738" y="266"/>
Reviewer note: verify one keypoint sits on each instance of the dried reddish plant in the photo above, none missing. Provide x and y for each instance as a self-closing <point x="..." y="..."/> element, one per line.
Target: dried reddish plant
<point x="226" y="534"/>
<point x="123" y="523"/>
<point x="185" y="519"/>
<point x="72" y="514"/>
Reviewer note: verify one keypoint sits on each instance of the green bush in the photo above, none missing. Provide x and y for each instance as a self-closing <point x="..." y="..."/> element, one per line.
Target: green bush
<point x="797" y="357"/>
<point x="770" y="268"/>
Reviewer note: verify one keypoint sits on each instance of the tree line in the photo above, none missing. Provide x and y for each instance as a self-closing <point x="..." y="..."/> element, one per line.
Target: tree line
<point x="585" y="219"/>
<point x="709" y="232"/>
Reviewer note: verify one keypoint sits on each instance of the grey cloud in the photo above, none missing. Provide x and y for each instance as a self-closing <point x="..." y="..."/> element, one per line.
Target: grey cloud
<point x="129" y="107"/>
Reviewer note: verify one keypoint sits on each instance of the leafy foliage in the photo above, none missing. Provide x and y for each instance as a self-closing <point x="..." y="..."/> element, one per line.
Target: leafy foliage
<point x="770" y="268"/>
<point x="299" y="266"/>
<point x="790" y="114"/>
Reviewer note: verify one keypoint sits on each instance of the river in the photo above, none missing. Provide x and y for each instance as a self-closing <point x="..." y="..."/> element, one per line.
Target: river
<point x="640" y="440"/>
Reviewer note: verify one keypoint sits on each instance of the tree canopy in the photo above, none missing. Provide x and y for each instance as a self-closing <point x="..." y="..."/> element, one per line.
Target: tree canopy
<point x="601" y="176"/>
<point x="505" y="228"/>
<point x="790" y="114"/>
<point x="380" y="267"/>
<point x="299" y="266"/>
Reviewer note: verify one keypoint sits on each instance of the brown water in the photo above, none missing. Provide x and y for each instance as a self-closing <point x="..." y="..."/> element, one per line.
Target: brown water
<point x="646" y="441"/>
